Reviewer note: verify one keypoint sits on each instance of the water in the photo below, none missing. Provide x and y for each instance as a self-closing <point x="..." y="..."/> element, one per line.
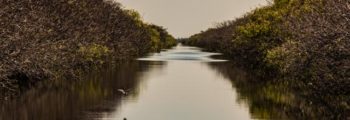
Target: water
<point x="185" y="89"/>
<point x="183" y="83"/>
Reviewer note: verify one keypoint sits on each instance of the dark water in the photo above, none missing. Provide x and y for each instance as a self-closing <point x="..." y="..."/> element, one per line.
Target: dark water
<point x="183" y="83"/>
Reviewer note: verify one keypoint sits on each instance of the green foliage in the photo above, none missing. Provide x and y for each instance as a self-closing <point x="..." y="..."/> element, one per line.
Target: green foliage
<point x="161" y="39"/>
<point x="262" y="23"/>
<point x="93" y="52"/>
<point x="193" y="40"/>
<point x="251" y="30"/>
<point x="281" y="2"/>
<point x="301" y="39"/>
<point x="65" y="35"/>
<point x="170" y="41"/>
<point x="155" y="39"/>
<point x="135" y="16"/>
<point x="283" y="57"/>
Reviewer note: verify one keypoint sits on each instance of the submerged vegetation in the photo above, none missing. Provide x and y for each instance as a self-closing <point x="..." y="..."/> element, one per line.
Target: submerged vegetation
<point x="42" y="40"/>
<point x="305" y="41"/>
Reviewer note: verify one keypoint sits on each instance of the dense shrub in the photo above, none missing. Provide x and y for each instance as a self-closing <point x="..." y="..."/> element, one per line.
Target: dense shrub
<point x="305" y="40"/>
<point x="93" y="52"/>
<point x="44" y="39"/>
<point x="321" y="46"/>
<point x="277" y="100"/>
<point x="165" y="39"/>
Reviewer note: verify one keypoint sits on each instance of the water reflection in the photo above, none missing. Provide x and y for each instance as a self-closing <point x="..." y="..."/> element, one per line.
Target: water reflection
<point x="185" y="89"/>
<point x="91" y="97"/>
<point x="277" y="99"/>
<point x="183" y="83"/>
<point x="183" y="53"/>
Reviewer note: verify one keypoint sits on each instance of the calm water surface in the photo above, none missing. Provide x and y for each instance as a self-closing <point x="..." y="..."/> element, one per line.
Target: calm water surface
<point x="185" y="89"/>
<point x="183" y="83"/>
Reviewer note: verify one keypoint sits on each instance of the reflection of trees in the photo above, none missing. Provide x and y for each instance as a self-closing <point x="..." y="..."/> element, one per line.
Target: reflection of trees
<point x="96" y="92"/>
<point x="273" y="99"/>
<point x="126" y="75"/>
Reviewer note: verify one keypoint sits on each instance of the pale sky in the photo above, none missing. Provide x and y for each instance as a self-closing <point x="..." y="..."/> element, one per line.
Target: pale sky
<point x="183" y="18"/>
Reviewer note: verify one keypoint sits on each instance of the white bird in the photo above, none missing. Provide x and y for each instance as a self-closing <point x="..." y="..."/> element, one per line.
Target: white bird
<point x="123" y="91"/>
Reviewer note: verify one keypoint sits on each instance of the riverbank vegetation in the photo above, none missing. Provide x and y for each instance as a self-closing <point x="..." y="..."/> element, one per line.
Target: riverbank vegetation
<point x="64" y="100"/>
<point x="301" y="46"/>
<point x="306" y="41"/>
<point x="46" y="40"/>
<point x="268" y="99"/>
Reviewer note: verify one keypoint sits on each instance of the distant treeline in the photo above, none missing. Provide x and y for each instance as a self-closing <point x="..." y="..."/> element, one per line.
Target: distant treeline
<point x="48" y="39"/>
<point x="304" y="40"/>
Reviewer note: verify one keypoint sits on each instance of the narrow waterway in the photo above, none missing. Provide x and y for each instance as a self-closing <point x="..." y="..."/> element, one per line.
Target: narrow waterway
<point x="183" y="83"/>
<point x="186" y="88"/>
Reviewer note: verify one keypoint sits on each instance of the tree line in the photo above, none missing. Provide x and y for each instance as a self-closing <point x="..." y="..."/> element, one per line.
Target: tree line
<point x="293" y="40"/>
<point x="44" y="40"/>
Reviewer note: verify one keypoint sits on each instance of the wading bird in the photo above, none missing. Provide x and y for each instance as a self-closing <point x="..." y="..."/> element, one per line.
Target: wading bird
<point x="124" y="92"/>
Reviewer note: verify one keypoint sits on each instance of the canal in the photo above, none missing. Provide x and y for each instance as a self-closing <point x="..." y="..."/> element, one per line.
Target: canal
<point x="182" y="83"/>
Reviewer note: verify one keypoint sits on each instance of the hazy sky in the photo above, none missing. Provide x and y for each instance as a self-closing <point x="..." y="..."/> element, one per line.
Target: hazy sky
<point x="183" y="18"/>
